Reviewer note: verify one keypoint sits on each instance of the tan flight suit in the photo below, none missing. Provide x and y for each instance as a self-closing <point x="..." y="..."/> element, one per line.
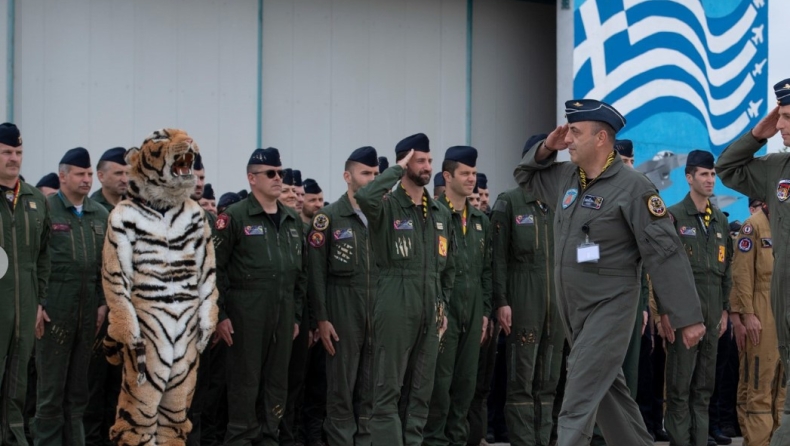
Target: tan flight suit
<point x="761" y="389"/>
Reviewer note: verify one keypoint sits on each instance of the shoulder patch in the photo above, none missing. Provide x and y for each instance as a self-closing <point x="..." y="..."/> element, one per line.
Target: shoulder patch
<point x="656" y="206"/>
<point x="222" y="222"/>
<point x="783" y="190"/>
<point x="747" y="229"/>
<point x="766" y="243"/>
<point x="316" y="239"/>
<point x="744" y="244"/>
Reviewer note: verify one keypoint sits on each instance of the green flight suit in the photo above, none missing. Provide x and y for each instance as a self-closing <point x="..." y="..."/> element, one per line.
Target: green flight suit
<point x="416" y="279"/>
<point x="691" y="373"/>
<point x="64" y="351"/>
<point x="104" y="379"/>
<point x="459" y="348"/>
<point x="524" y="280"/>
<point x="767" y="178"/>
<point x="261" y="279"/>
<point x="342" y="280"/>
<point x="621" y="212"/>
<point x="24" y="236"/>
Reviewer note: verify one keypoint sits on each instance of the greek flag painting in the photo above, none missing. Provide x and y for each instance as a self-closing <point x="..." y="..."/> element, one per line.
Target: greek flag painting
<point x="687" y="74"/>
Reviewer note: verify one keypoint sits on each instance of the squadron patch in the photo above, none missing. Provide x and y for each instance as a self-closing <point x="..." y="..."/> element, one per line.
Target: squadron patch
<point x="442" y="246"/>
<point x="316" y="239"/>
<point x="656" y="206"/>
<point x="569" y="198"/>
<point x="783" y="190"/>
<point x="403" y="225"/>
<point x="722" y="253"/>
<point x="320" y="222"/>
<point x="254" y="230"/>
<point x="222" y="222"/>
<point x="766" y="243"/>
<point x="592" y="202"/>
<point x="747" y="229"/>
<point x="745" y="244"/>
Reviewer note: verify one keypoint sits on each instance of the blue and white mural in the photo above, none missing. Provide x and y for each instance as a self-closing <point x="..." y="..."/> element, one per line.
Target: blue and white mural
<point x="687" y="74"/>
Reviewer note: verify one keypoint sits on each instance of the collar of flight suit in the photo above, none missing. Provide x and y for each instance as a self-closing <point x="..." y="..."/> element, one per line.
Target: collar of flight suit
<point x="255" y="208"/>
<point x="405" y="201"/>
<point x="344" y="206"/>
<point x="615" y="167"/>
<point x="88" y="205"/>
<point x="691" y="208"/>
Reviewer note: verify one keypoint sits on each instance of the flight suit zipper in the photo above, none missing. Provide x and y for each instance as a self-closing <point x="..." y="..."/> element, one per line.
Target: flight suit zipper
<point x="424" y="270"/>
<point x="73" y="245"/>
<point x="465" y="303"/>
<point x="83" y="281"/>
<point x="548" y="271"/>
<point x="27" y="228"/>
<point x="280" y="276"/>
<point x="17" y="304"/>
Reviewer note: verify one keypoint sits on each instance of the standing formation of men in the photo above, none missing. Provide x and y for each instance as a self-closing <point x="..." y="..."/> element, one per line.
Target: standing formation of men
<point x="374" y="320"/>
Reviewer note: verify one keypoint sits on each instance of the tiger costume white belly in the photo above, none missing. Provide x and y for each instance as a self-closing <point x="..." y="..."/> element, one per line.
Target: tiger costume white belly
<point x="159" y="282"/>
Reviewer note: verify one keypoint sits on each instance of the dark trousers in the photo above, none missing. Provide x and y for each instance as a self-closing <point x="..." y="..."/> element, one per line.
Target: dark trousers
<point x="496" y="399"/>
<point x="314" y="408"/>
<point x="723" y="402"/>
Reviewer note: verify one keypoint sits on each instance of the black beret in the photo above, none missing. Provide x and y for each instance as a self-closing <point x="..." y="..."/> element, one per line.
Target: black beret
<point x="297" y="178"/>
<point x="311" y="186"/>
<point x="534" y="139"/>
<point x="364" y="155"/>
<point x="266" y="157"/>
<point x="752" y="201"/>
<point x="383" y="163"/>
<point x="735" y="226"/>
<point x="438" y="180"/>
<point x="418" y="142"/>
<point x="198" y="164"/>
<point x="228" y="199"/>
<point x="462" y="154"/>
<point x="243" y="193"/>
<point x="476" y="190"/>
<point x="482" y="180"/>
<point x="579" y="110"/>
<point x="782" y="91"/>
<point x="9" y="135"/>
<point x="624" y="147"/>
<point x="49" y="180"/>
<point x="115" y="155"/>
<point x="700" y="158"/>
<point x="78" y="157"/>
<point x="288" y="176"/>
<point x="208" y="192"/>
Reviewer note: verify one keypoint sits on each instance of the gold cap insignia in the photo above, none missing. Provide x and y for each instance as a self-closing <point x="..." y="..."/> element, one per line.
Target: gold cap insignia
<point x="786" y="87"/>
<point x="577" y="104"/>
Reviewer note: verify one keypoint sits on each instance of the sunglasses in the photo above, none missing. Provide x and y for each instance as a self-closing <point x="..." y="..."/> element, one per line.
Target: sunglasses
<point x="270" y="174"/>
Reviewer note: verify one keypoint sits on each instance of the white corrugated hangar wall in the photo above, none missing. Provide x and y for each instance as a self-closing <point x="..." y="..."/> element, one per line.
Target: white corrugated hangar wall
<point x="314" y="78"/>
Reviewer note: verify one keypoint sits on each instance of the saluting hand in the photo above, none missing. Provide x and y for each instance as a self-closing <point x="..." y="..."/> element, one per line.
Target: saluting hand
<point x="766" y="128"/>
<point x="328" y="334"/>
<point x="504" y="314"/>
<point x="406" y="159"/>
<point x="41" y="317"/>
<point x="556" y="139"/>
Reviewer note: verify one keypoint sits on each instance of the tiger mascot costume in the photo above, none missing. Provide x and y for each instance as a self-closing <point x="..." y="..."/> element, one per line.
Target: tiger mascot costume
<point x="159" y="282"/>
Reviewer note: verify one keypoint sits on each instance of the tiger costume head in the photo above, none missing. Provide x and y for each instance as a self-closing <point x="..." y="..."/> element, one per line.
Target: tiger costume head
<point x="161" y="168"/>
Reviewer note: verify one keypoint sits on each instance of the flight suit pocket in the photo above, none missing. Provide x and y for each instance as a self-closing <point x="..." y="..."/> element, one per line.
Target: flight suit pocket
<point x="61" y="246"/>
<point x="341" y="258"/>
<point x="658" y="238"/>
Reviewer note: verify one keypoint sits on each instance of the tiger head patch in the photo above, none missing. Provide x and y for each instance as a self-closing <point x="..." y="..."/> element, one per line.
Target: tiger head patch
<point x="161" y="169"/>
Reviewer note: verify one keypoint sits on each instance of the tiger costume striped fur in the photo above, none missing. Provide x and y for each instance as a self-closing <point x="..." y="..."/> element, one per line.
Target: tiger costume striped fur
<point x="159" y="282"/>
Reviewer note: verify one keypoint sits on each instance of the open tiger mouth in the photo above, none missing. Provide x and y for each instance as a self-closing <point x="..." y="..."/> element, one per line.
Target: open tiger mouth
<point x="182" y="165"/>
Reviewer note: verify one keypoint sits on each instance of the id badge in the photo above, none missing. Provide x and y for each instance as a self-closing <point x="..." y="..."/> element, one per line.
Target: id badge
<point x="588" y="253"/>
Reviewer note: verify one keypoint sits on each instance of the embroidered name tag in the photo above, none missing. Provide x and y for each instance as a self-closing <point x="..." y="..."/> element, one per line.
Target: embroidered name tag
<point x="592" y="202"/>
<point x="478" y="227"/>
<point x="688" y="231"/>
<point x="254" y="230"/>
<point x="60" y="227"/>
<point x="344" y="233"/>
<point x="403" y="225"/>
<point x="525" y="220"/>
